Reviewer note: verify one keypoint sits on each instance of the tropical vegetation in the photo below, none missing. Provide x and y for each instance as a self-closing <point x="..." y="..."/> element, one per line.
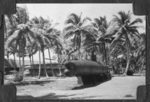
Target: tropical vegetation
<point x="78" y="40"/>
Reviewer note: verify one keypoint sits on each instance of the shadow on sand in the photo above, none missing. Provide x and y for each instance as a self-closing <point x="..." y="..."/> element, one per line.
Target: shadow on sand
<point x="33" y="83"/>
<point x="88" y="86"/>
<point x="48" y="96"/>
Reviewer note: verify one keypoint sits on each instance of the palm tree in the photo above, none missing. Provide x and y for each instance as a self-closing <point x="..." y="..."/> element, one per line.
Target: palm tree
<point x="12" y="50"/>
<point x="140" y="53"/>
<point x="43" y="41"/>
<point x="97" y="43"/>
<point x="58" y="50"/>
<point x="41" y="28"/>
<point x="101" y="25"/>
<point x="53" y="36"/>
<point x="31" y="50"/>
<point x="122" y="28"/>
<point x="20" y="32"/>
<point x="75" y="30"/>
<point x="39" y="75"/>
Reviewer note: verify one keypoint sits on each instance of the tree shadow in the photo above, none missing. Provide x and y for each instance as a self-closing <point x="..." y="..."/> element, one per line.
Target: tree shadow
<point x="53" y="96"/>
<point x="89" y="86"/>
<point x="32" y="83"/>
<point x="48" y="96"/>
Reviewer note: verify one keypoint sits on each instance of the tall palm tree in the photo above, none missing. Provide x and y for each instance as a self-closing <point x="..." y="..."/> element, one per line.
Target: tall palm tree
<point x="97" y="43"/>
<point x="122" y="28"/>
<point x="39" y="75"/>
<point x="53" y="36"/>
<point x="58" y="48"/>
<point x="75" y="30"/>
<point x="43" y="41"/>
<point x="20" y="32"/>
<point x="41" y="28"/>
<point x="140" y="53"/>
<point x="31" y="50"/>
<point x="101" y="25"/>
<point x="13" y="50"/>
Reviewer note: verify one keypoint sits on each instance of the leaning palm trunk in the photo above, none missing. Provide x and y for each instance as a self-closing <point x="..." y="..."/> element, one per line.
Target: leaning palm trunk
<point x="51" y="62"/>
<point x="39" y="74"/>
<point x="44" y="63"/>
<point x="128" y="58"/>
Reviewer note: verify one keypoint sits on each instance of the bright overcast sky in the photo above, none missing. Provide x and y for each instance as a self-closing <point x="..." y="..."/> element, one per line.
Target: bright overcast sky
<point x="59" y="12"/>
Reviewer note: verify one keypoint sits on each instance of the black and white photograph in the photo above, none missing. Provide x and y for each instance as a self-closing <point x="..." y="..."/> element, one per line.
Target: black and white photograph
<point x="82" y="51"/>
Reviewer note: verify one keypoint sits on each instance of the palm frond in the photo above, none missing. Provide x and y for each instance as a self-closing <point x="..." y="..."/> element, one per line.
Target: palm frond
<point x="69" y="34"/>
<point x="98" y="22"/>
<point x="116" y="39"/>
<point x="86" y="19"/>
<point x="69" y="21"/>
<point x="75" y="17"/>
<point x="112" y="29"/>
<point x="133" y="31"/>
<point x="138" y="20"/>
<point x="124" y="16"/>
<point x="89" y="30"/>
<point x="70" y="27"/>
<point x="117" y="20"/>
<point x="12" y="38"/>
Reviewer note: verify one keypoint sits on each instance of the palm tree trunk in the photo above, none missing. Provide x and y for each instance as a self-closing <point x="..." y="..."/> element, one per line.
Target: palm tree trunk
<point x="19" y="61"/>
<point x="50" y="62"/>
<point x="79" y="52"/>
<point x="23" y="52"/>
<point x="39" y="74"/>
<point x="23" y="63"/>
<point x="59" y="64"/>
<point x="58" y="57"/>
<point x="44" y="63"/>
<point x="8" y="56"/>
<point x="105" y="54"/>
<point x="33" y="64"/>
<point x="128" y="58"/>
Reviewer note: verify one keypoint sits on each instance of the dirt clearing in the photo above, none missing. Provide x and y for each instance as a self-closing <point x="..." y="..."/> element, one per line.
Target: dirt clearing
<point x="119" y="87"/>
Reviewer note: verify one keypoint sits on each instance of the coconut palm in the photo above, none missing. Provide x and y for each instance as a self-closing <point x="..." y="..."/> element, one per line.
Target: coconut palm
<point x="42" y="27"/>
<point x="75" y="30"/>
<point x="58" y="48"/>
<point x="20" y="32"/>
<point x="140" y="53"/>
<point x="122" y="28"/>
<point x="53" y="36"/>
<point x="12" y="50"/>
<point x="97" y="43"/>
<point x="101" y="25"/>
<point x="10" y="26"/>
<point x="42" y="41"/>
<point x="30" y="51"/>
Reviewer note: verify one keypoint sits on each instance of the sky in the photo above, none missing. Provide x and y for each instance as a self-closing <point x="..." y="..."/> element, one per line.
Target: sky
<point x="59" y="12"/>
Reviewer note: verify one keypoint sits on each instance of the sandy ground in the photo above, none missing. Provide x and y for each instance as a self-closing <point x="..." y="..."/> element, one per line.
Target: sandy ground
<point x="119" y="87"/>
